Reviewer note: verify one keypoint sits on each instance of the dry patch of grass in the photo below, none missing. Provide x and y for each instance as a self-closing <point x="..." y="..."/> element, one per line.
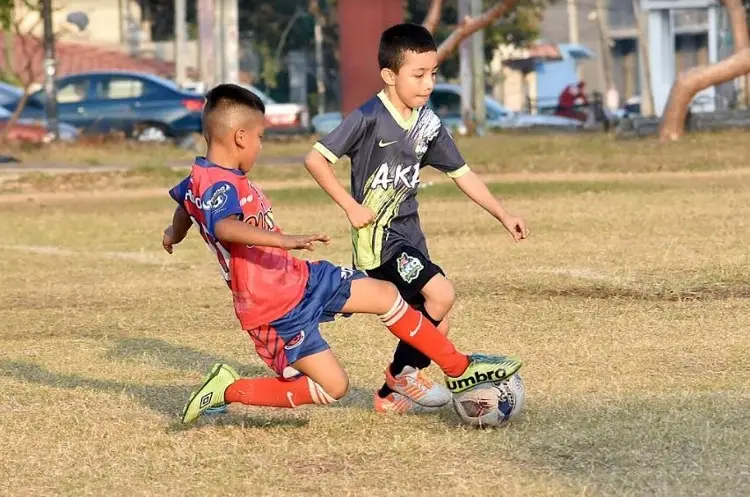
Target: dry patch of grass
<point x="630" y="305"/>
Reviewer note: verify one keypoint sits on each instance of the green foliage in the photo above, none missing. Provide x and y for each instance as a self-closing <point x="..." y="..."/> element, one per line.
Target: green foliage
<point x="6" y="14"/>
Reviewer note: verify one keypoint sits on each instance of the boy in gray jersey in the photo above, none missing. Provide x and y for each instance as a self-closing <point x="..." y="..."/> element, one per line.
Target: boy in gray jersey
<point x="389" y="139"/>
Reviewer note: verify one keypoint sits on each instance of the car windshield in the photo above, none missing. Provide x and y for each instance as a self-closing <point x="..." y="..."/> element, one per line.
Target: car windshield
<point x="4" y="113"/>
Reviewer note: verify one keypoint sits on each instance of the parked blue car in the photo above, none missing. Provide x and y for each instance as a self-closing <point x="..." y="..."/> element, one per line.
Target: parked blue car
<point x="143" y="106"/>
<point x="10" y="95"/>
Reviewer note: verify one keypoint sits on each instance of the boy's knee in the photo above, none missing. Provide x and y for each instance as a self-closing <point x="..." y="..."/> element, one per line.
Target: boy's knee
<point x="387" y="294"/>
<point x="338" y="388"/>
<point x="439" y="300"/>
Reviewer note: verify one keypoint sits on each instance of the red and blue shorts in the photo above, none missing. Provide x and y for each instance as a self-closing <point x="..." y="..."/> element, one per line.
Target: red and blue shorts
<point x="297" y="334"/>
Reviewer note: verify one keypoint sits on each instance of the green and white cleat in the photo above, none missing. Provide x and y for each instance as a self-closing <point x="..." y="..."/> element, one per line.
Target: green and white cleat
<point x="211" y="394"/>
<point x="484" y="369"/>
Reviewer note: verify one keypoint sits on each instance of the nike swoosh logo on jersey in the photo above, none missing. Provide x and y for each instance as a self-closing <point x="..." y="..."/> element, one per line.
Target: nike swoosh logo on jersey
<point x="290" y="398"/>
<point x="383" y="144"/>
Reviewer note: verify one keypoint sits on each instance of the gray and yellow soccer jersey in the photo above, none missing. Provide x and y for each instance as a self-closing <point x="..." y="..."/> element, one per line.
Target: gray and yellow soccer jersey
<point x="387" y="154"/>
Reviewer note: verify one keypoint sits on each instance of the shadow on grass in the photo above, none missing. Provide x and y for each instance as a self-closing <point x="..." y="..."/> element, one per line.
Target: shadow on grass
<point x="167" y="400"/>
<point x="704" y="292"/>
<point x="244" y="419"/>
<point x="150" y="350"/>
<point x="671" y="444"/>
<point x="599" y="290"/>
<point x="681" y="443"/>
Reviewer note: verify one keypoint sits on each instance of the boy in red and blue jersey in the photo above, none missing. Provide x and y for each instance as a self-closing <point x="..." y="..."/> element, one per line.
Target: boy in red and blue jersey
<point x="279" y="299"/>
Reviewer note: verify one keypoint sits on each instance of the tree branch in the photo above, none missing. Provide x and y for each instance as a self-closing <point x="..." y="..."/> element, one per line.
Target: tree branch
<point x="432" y="20"/>
<point x="691" y="82"/>
<point x="696" y="79"/>
<point x="469" y="25"/>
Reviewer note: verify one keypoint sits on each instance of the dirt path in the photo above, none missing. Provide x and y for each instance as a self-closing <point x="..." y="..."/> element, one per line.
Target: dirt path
<point x="309" y="183"/>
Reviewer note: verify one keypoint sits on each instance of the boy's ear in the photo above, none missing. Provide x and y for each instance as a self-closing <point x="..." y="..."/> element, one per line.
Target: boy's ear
<point x="240" y="135"/>
<point x="389" y="76"/>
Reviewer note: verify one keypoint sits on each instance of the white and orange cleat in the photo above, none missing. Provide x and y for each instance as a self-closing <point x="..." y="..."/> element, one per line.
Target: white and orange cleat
<point x="399" y="404"/>
<point x="414" y="385"/>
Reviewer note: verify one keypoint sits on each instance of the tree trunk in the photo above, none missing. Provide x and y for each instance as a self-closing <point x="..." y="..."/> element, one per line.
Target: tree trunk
<point x="9" y="53"/>
<point x="432" y="21"/>
<point x="15" y="116"/>
<point x="691" y="82"/>
<point x="696" y="79"/>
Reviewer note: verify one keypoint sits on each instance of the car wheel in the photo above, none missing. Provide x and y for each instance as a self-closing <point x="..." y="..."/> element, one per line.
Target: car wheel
<point x="151" y="133"/>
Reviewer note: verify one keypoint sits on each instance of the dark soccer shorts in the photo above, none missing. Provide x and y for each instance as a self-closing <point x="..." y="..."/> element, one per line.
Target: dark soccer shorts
<point x="410" y="271"/>
<point x="296" y="334"/>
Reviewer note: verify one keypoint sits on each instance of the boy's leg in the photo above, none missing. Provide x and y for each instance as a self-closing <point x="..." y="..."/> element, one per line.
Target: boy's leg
<point x="370" y="296"/>
<point x="224" y="386"/>
<point x="423" y="285"/>
<point x="289" y="345"/>
<point x="323" y="381"/>
<point x="434" y="301"/>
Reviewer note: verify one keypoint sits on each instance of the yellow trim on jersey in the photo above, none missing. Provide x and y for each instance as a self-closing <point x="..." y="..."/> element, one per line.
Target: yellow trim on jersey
<point x="396" y="114"/>
<point x="459" y="172"/>
<point x="330" y="156"/>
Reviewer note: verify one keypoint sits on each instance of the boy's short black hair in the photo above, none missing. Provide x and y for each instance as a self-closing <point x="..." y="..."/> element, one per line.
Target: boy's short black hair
<point x="225" y="104"/>
<point x="401" y="38"/>
<point x="231" y="95"/>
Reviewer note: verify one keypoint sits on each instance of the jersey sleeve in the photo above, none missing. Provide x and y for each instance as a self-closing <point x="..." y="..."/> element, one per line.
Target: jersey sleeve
<point x="219" y="201"/>
<point x="179" y="191"/>
<point x="443" y="155"/>
<point x="345" y="139"/>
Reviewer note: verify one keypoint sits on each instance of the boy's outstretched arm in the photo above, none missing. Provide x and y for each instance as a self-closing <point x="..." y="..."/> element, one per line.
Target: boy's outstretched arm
<point x="232" y="230"/>
<point x="320" y="169"/>
<point x="176" y="231"/>
<point x="476" y="190"/>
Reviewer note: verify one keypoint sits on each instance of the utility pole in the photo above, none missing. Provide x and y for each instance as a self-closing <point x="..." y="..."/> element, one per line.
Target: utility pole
<point x="320" y="69"/>
<point x="647" y="102"/>
<point x="50" y="70"/>
<point x="477" y="39"/>
<point x="605" y="59"/>
<point x="206" y="43"/>
<point x="231" y="41"/>
<point x="573" y="31"/>
<point x="180" y="41"/>
<point x="464" y="57"/>
<point x="218" y="35"/>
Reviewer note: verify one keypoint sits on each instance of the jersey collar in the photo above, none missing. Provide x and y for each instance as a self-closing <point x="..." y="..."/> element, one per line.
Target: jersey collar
<point x="203" y="162"/>
<point x="396" y="115"/>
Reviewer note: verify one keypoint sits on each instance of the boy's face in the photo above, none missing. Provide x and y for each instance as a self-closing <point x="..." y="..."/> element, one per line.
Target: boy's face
<point x="249" y="142"/>
<point x="415" y="80"/>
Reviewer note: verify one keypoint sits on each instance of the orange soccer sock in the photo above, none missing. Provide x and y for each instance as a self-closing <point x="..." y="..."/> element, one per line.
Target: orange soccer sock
<point x="276" y="392"/>
<point x="412" y="327"/>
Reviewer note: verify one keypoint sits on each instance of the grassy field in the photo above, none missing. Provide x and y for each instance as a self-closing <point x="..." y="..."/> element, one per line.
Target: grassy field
<point x="630" y="305"/>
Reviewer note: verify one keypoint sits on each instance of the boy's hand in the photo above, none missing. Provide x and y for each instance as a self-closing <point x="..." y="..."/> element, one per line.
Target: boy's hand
<point x="168" y="241"/>
<point x="516" y="227"/>
<point x="360" y="216"/>
<point x="295" y="242"/>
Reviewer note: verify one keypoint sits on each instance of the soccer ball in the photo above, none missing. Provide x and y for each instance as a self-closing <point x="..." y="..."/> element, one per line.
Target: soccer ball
<point x="491" y="404"/>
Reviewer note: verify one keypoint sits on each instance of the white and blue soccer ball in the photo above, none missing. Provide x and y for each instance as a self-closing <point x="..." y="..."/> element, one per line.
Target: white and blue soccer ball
<point x="491" y="404"/>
